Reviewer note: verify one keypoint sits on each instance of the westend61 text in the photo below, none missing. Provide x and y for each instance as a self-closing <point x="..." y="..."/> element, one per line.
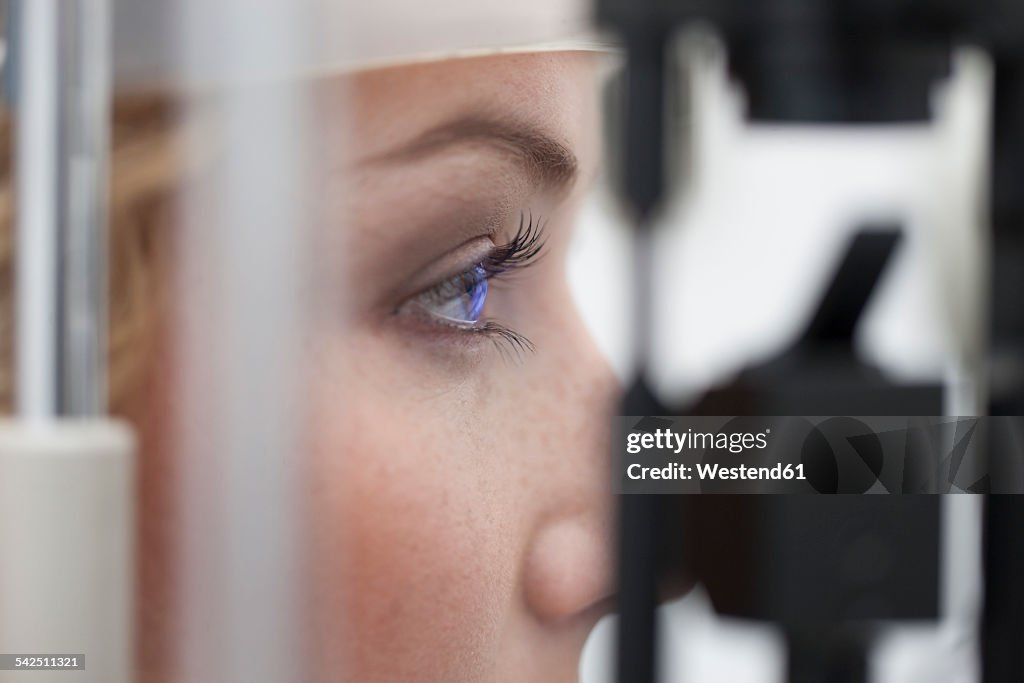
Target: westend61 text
<point x="708" y="472"/>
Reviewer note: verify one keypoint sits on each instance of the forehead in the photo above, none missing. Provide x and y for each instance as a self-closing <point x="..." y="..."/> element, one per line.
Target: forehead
<point x="384" y="108"/>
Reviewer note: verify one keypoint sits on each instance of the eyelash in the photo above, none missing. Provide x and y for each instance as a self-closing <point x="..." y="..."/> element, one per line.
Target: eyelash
<point x="524" y="249"/>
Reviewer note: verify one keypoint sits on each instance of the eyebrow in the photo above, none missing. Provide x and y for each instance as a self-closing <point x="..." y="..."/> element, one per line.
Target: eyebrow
<point x="549" y="163"/>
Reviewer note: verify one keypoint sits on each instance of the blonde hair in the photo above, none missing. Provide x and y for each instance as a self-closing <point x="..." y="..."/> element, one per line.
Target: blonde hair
<point x="145" y="171"/>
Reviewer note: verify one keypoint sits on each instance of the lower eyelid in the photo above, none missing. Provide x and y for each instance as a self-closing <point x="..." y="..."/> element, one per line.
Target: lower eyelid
<point x="450" y="335"/>
<point x="420" y="330"/>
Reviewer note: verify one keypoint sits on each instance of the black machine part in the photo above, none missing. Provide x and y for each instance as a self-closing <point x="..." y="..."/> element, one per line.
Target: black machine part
<point x="826" y="569"/>
<point x="850" y="61"/>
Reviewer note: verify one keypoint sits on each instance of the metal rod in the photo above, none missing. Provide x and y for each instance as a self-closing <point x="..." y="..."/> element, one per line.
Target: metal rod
<point x="84" y="166"/>
<point x="38" y="239"/>
<point x="63" y="95"/>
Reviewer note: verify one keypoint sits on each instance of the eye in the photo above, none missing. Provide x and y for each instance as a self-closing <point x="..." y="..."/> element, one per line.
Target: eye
<point x="460" y="299"/>
<point x="458" y="303"/>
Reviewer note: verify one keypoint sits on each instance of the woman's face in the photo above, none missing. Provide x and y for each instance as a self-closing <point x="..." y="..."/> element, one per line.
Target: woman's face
<point x="462" y="503"/>
<point x="460" y="507"/>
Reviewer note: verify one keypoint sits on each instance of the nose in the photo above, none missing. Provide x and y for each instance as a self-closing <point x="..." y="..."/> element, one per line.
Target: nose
<point x="568" y="571"/>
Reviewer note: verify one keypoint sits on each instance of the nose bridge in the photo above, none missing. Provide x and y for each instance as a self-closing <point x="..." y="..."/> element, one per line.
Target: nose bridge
<point x="585" y="402"/>
<point x="568" y="562"/>
<point x="579" y="401"/>
<point x="596" y="385"/>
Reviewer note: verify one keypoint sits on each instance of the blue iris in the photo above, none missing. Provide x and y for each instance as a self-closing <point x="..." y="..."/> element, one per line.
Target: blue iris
<point x="459" y="299"/>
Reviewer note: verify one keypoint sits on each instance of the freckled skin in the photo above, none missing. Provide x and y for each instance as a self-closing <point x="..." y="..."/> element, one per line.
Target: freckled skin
<point x="459" y="498"/>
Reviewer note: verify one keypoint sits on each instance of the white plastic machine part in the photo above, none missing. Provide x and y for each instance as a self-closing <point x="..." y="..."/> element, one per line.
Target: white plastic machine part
<point x="345" y="35"/>
<point x="66" y="472"/>
<point x="66" y="551"/>
<point x="245" y="235"/>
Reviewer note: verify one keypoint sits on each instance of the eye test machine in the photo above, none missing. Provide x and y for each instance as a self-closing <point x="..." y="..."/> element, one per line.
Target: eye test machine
<point x="68" y="566"/>
<point x="855" y="68"/>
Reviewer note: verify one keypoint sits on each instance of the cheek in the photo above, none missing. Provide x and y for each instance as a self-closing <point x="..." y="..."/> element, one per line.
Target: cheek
<point x="412" y="548"/>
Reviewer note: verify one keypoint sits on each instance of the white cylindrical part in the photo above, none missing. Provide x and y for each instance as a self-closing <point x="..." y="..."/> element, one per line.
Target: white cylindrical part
<point x="66" y="548"/>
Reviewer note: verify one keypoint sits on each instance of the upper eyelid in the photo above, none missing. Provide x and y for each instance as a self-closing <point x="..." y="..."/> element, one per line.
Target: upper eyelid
<point x="524" y="248"/>
<point x="433" y="276"/>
